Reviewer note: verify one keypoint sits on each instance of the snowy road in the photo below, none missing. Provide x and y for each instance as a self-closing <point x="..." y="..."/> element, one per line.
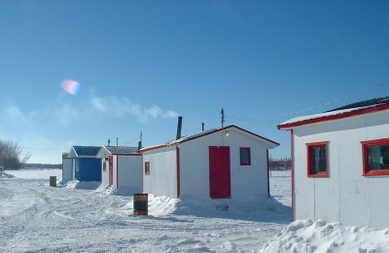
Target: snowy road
<point x="37" y="218"/>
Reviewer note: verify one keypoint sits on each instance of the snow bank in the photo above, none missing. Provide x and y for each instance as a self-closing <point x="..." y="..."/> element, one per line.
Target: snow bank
<point x="75" y="184"/>
<point x="5" y="175"/>
<point x="237" y="207"/>
<point x="322" y="237"/>
<point x="188" y="205"/>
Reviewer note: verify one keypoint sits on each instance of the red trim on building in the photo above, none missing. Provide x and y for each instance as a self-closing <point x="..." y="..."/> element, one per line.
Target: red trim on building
<point x="142" y="173"/>
<point x="248" y="163"/>
<point x="365" y="157"/>
<point x="178" y="171"/>
<point x="172" y="144"/>
<point x="117" y="171"/>
<point x="128" y="154"/>
<point x="160" y="146"/>
<point x="292" y="181"/>
<point x="268" y="172"/>
<point x="335" y="117"/>
<point x="310" y="172"/>
<point x="110" y="170"/>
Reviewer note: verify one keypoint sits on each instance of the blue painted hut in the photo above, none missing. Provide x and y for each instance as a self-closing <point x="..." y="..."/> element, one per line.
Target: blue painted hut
<point x="85" y="165"/>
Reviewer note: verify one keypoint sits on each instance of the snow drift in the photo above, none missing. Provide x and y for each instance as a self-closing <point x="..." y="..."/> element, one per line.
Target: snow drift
<point x="322" y="237"/>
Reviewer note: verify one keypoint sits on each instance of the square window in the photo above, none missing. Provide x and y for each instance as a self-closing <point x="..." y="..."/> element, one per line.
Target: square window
<point x="147" y="168"/>
<point x="375" y="157"/>
<point x="317" y="155"/>
<point x="245" y="156"/>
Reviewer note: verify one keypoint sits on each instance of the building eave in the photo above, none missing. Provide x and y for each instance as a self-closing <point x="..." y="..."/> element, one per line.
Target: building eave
<point x="353" y="113"/>
<point x="200" y="135"/>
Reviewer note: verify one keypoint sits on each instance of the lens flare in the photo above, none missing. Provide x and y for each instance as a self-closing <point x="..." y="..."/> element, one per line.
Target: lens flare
<point x="70" y="86"/>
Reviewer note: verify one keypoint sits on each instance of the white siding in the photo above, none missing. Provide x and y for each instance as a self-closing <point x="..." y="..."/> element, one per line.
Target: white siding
<point x="345" y="196"/>
<point x="104" y="153"/>
<point x="104" y="171"/>
<point x="130" y="173"/>
<point x="245" y="180"/>
<point x="67" y="169"/>
<point x="163" y="172"/>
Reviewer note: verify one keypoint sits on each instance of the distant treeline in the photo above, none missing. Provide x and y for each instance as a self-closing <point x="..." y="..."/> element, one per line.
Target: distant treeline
<point x="41" y="166"/>
<point x="280" y="164"/>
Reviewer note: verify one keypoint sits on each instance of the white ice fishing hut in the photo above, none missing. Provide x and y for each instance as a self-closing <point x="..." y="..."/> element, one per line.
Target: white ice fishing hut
<point x="224" y="163"/>
<point x="340" y="164"/>
<point x="121" y="166"/>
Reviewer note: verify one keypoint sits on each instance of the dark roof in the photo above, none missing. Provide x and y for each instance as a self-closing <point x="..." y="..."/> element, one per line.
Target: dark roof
<point x="122" y="150"/>
<point x="350" y="110"/>
<point x="369" y="102"/>
<point x="86" y="150"/>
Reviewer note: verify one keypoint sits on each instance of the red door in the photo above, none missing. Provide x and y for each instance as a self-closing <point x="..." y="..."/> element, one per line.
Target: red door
<point x="110" y="175"/>
<point x="219" y="172"/>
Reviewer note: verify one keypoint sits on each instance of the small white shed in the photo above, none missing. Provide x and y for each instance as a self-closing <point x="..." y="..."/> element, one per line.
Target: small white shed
<point x="340" y="162"/>
<point x="67" y="167"/>
<point x="224" y="163"/>
<point x="121" y="166"/>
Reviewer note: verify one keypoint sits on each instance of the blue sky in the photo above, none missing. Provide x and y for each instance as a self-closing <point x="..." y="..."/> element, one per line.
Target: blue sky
<point x="141" y="63"/>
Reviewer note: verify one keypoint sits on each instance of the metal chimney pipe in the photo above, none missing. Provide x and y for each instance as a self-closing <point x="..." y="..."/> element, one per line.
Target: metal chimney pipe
<point x="179" y="127"/>
<point x="140" y="141"/>
<point x="139" y="145"/>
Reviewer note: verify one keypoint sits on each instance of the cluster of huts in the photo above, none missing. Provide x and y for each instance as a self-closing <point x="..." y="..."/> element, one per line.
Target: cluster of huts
<point x="224" y="163"/>
<point x="340" y="164"/>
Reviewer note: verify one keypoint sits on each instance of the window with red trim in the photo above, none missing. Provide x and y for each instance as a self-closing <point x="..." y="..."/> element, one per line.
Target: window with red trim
<point x="245" y="156"/>
<point x="317" y="154"/>
<point x="147" y="168"/>
<point x="375" y="157"/>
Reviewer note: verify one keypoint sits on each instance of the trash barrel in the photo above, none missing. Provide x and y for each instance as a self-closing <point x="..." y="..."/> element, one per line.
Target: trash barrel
<point x="141" y="204"/>
<point x="53" y="181"/>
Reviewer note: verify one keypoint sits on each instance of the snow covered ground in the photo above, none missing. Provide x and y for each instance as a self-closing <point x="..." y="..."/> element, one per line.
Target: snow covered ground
<point x="37" y="218"/>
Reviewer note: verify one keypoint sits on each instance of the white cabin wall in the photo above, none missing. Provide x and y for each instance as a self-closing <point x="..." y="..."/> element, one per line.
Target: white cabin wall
<point x="346" y="196"/>
<point x="103" y="154"/>
<point x="130" y="172"/>
<point x="245" y="180"/>
<point x="163" y="172"/>
<point x="67" y="169"/>
<point x="115" y="170"/>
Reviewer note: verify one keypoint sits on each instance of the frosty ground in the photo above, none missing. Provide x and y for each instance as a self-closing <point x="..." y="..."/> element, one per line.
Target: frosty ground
<point x="37" y="218"/>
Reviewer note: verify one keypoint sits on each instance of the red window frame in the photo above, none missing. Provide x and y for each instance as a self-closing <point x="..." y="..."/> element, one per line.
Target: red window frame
<point x="310" y="159"/>
<point x="147" y="168"/>
<point x="243" y="163"/>
<point x="365" y="157"/>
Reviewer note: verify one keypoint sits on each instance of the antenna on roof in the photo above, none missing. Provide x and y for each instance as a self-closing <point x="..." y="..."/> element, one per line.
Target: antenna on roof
<point x="140" y="141"/>
<point x="109" y="141"/>
<point x="117" y="141"/>
<point x="202" y="126"/>
<point x="222" y="115"/>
